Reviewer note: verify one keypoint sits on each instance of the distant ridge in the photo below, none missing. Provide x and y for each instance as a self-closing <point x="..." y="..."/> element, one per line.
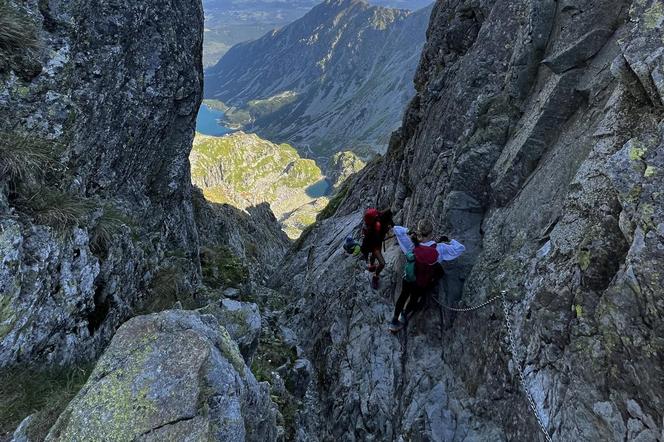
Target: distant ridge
<point x="336" y="79"/>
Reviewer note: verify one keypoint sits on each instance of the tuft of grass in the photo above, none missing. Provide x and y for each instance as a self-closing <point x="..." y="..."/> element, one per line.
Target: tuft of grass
<point x="166" y="288"/>
<point x="57" y="209"/>
<point x="17" y="31"/>
<point x="271" y="354"/>
<point x="24" y="391"/>
<point x="169" y="286"/>
<point x="23" y="157"/>
<point x="108" y="225"/>
<point x="221" y="268"/>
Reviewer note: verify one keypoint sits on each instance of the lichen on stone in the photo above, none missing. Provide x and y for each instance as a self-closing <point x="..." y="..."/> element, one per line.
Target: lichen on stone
<point x="637" y="151"/>
<point x="654" y="15"/>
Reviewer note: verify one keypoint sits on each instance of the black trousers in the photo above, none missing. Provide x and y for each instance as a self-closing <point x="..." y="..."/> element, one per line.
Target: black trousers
<point x="412" y="294"/>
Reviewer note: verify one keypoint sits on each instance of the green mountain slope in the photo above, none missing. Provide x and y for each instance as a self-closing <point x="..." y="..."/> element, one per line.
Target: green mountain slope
<point x="244" y="170"/>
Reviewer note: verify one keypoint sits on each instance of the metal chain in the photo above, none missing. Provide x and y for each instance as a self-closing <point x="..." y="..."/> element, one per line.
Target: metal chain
<point x="513" y="351"/>
<point x="522" y="379"/>
<point x="467" y="309"/>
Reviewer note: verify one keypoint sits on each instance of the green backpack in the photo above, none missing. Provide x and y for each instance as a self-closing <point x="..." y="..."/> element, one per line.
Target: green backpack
<point x="409" y="269"/>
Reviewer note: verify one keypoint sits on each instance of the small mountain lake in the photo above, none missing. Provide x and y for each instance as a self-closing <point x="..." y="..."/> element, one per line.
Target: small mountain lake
<point x="316" y="190"/>
<point x="207" y="122"/>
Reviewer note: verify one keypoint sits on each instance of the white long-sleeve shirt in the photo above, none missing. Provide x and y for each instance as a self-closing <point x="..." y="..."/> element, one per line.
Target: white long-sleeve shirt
<point x="446" y="252"/>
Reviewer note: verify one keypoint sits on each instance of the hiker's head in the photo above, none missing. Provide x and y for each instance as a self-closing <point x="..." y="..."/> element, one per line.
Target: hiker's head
<point x="424" y="230"/>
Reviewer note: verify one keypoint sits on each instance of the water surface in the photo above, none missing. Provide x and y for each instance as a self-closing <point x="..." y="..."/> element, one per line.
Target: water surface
<point x="207" y="122"/>
<point x="318" y="189"/>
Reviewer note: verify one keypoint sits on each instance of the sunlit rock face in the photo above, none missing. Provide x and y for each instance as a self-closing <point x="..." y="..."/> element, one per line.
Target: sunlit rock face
<point x="536" y="139"/>
<point x="244" y="170"/>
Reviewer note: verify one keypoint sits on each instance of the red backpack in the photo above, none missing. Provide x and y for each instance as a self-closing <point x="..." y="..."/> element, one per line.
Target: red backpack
<point x="371" y="215"/>
<point x="376" y="226"/>
<point x="377" y="222"/>
<point x="426" y="261"/>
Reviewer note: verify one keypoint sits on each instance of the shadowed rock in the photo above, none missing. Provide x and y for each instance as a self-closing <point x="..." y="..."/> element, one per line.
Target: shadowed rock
<point x="116" y="103"/>
<point x="578" y="52"/>
<point x="243" y="322"/>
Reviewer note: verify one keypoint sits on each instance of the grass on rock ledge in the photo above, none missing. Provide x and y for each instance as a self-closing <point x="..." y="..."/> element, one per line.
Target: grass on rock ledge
<point x="22" y="157"/>
<point x="24" y="391"/>
<point x="57" y="209"/>
<point x="17" y="32"/>
<point x="222" y="268"/>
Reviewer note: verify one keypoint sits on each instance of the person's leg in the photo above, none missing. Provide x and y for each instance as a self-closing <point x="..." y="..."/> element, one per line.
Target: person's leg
<point x="416" y="301"/>
<point x="395" y="324"/>
<point x="403" y="297"/>
<point x="381" y="261"/>
<point x="378" y="256"/>
<point x="371" y="267"/>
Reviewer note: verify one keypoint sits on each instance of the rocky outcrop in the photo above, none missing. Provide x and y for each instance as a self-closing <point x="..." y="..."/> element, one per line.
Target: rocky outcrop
<point x="245" y="170"/>
<point x="336" y="79"/>
<point x="254" y="236"/>
<point x="170" y="376"/>
<point x="343" y="165"/>
<point x="535" y="138"/>
<point x="98" y="112"/>
<point x="242" y="320"/>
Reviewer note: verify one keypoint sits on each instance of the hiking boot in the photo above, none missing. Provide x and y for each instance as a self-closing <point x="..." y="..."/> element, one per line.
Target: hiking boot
<point x="395" y="325"/>
<point x="375" y="282"/>
<point x="403" y="319"/>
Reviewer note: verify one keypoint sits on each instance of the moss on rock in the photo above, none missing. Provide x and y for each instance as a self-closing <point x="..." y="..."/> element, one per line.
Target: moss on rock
<point x="222" y="268"/>
<point x="165" y="375"/>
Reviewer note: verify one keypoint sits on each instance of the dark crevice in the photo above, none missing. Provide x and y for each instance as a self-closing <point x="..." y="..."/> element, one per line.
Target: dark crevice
<point x="400" y="387"/>
<point x="173" y="422"/>
<point x="102" y="307"/>
<point x="50" y="24"/>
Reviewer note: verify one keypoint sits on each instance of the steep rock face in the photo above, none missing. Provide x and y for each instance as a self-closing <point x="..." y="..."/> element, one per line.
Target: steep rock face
<point x="536" y="138"/>
<point x="170" y="376"/>
<point x="337" y="78"/>
<point x="242" y="321"/>
<point x="100" y="110"/>
<point x="254" y="236"/>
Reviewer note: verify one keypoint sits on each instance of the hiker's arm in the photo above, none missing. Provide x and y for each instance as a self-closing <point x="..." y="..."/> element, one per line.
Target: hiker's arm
<point x="450" y="251"/>
<point x="404" y="240"/>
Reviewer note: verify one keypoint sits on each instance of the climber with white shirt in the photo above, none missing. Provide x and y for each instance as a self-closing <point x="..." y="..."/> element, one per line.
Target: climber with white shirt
<point x="423" y="258"/>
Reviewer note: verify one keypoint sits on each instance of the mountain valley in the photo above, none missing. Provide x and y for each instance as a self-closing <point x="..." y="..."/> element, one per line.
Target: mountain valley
<point x="336" y="79"/>
<point x="138" y="304"/>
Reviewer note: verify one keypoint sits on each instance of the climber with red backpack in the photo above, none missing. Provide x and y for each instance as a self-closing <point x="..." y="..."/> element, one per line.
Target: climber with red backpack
<point x="423" y="258"/>
<point x="376" y="225"/>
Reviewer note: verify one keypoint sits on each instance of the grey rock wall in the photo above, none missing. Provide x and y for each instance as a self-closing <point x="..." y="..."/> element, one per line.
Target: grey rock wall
<point x="113" y="89"/>
<point x="254" y="236"/>
<point x="535" y="138"/>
